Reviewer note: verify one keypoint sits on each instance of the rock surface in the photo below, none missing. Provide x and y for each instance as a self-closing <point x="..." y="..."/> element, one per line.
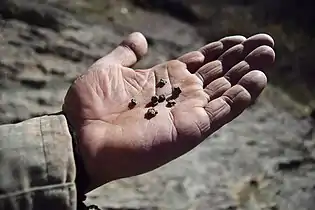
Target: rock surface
<point x="44" y="47"/>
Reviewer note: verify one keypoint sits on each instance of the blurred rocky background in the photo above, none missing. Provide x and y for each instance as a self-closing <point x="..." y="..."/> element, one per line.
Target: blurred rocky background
<point x="265" y="159"/>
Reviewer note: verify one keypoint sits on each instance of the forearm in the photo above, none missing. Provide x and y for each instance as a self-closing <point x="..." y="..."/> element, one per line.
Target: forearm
<point x="37" y="165"/>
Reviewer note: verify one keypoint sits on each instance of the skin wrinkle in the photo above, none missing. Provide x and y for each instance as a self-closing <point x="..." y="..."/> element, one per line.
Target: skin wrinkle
<point x="112" y="121"/>
<point x="198" y="58"/>
<point x="193" y="60"/>
<point x="168" y="77"/>
<point x="94" y="91"/>
<point x="94" y="88"/>
<point x="147" y="81"/>
<point x="188" y="79"/>
<point x="236" y="50"/>
<point x="235" y="70"/>
<point x="153" y="141"/>
<point x="138" y="77"/>
<point x="200" y="77"/>
<point x="100" y="90"/>
<point x="246" y="65"/>
<point x="123" y="84"/>
<point x="196" y="124"/>
<point x="174" y="130"/>
<point x="212" y="71"/>
<point x="191" y="80"/>
<point x="211" y="91"/>
<point x="155" y="82"/>
<point x="213" y="115"/>
<point x="127" y="82"/>
<point x="204" y="50"/>
<point x="141" y="87"/>
<point x="119" y="113"/>
<point x="202" y="133"/>
<point x="201" y="83"/>
<point x="199" y="129"/>
<point x="117" y="86"/>
<point x="229" y="100"/>
<point x="88" y="86"/>
<point x="187" y="95"/>
<point x="111" y="82"/>
<point x="192" y="86"/>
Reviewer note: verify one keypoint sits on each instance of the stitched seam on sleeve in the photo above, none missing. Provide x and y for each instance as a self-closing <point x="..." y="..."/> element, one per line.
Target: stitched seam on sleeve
<point x="43" y="146"/>
<point x="33" y="189"/>
<point x="65" y="131"/>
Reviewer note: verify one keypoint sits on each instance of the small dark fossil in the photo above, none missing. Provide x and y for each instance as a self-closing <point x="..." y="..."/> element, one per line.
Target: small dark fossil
<point x="177" y="91"/>
<point x="161" y="83"/>
<point x="171" y="103"/>
<point x="133" y="103"/>
<point x="151" y="113"/>
<point x="162" y="98"/>
<point x="154" y="99"/>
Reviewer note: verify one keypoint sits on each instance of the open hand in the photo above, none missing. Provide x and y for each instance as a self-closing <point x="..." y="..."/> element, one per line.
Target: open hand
<point x="117" y="136"/>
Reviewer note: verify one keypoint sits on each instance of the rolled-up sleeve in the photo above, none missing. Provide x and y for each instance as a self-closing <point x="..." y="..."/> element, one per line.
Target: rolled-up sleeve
<point x="37" y="168"/>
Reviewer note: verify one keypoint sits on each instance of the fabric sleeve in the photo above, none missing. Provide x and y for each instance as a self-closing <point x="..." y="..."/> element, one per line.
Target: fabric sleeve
<point x="37" y="168"/>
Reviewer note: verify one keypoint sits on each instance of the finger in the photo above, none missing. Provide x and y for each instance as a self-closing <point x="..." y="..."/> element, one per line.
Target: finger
<point x="251" y="50"/>
<point x="217" y="87"/>
<point x="261" y="58"/>
<point x="213" y="50"/>
<point x="194" y="60"/>
<point x="208" y="73"/>
<point x="236" y="54"/>
<point x="231" y="41"/>
<point x="129" y="51"/>
<point x="235" y="100"/>
<point x="258" y="40"/>
<point x="239" y="52"/>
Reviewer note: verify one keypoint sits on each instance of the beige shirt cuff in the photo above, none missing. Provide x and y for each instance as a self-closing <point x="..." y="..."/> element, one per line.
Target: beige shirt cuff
<point x="37" y="169"/>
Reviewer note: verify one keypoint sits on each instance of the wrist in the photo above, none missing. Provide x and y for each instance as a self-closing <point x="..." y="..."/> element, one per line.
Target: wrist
<point x="82" y="180"/>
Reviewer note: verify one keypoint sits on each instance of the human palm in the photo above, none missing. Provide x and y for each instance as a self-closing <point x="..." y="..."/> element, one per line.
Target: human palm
<point x="118" y="139"/>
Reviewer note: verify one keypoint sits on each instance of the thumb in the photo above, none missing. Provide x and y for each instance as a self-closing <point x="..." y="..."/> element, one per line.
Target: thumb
<point x="128" y="52"/>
